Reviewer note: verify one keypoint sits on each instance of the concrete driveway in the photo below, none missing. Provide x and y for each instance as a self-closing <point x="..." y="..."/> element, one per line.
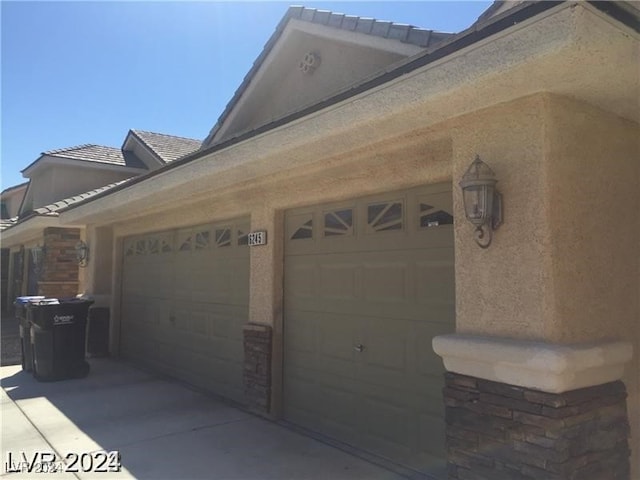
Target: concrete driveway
<point x="162" y="430"/>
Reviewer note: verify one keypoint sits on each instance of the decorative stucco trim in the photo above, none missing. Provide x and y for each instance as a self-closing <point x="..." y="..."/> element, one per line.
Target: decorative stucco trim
<point x="536" y="365"/>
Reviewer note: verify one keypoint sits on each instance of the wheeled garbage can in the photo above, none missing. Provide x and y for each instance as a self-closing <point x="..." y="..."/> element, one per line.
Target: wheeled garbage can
<point x="58" y="335"/>
<point x="25" y="330"/>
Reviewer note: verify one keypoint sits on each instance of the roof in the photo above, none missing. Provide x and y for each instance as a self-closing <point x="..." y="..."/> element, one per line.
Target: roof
<point x="393" y="31"/>
<point x="167" y="147"/>
<point x="370" y="26"/>
<point x="13" y="188"/>
<point x="54" y="208"/>
<point x="91" y="153"/>
<point x="7" y="222"/>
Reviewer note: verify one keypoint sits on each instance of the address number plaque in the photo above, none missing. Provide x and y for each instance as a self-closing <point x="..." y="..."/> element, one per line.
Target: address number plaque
<point x="257" y="238"/>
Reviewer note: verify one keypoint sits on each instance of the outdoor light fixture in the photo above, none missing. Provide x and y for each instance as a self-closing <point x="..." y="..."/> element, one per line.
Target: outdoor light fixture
<point x="482" y="202"/>
<point x="82" y="253"/>
<point x="19" y="261"/>
<point x="37" y="256"/>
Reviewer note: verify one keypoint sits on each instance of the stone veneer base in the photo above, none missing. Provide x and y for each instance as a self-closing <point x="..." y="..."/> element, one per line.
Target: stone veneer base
<point x="496" y="431"/>
<point x="257" y="366"/>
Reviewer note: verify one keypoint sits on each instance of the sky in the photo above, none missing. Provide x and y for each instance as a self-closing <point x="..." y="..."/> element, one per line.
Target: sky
<point x="76" y="72"/>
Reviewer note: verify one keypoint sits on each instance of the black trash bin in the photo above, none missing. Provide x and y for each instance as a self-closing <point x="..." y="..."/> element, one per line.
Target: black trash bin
<point x="25" y="330"/>
<point x="58" y="334"/>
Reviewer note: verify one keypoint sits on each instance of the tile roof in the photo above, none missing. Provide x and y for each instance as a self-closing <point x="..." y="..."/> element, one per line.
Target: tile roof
<point x="54" y="208"/>
<point x="168" y="147"/>
<point x="7" y="222"/>
<point x="91" y="153"/>
<point x="369" y="26"/>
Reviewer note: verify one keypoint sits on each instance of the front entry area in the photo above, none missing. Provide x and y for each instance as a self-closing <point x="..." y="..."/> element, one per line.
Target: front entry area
<point x="367" y="284"/>
<point x="185" y="296"/>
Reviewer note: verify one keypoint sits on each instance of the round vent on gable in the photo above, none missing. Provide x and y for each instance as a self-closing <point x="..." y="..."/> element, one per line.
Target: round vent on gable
<point x="309" y="63"/>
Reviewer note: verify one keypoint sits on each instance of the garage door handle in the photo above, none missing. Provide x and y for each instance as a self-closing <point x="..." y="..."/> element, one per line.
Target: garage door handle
<point x="359" y="348"/>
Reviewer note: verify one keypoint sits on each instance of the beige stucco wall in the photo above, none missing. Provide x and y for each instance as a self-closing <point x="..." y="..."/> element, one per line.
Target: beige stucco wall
<point x="502" y="290"/>
<point x="593" y="164"/>
<point x="563" y="267"/>
<point x="97" y="275"/>
<point x="59" y="182"/>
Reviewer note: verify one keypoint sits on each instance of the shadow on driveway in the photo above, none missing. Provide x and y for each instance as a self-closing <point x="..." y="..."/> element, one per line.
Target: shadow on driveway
<point x="161" y="428"/>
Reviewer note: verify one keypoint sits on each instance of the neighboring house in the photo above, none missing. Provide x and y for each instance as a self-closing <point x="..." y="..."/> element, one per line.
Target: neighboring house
<point x="364" y="272"/>
<point x="10" y="201"/>
<point x="58" y="179"/>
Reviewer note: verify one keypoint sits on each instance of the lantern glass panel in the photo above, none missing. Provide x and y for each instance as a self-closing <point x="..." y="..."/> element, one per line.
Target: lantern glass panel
<point x="478" y="202"/>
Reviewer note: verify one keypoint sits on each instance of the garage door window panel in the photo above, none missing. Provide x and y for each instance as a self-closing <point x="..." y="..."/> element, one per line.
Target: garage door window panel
<point x="338" y="223"/>
<point x="301" y="227"/>
<point x="384" y="217"/>
<point x="435" y="210"/>
<point x="223" y="237"/>
<point x="202" y="240"/>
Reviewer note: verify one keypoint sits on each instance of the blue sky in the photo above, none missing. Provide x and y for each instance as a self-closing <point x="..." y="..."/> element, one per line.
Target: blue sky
<point x="87" y="72"/>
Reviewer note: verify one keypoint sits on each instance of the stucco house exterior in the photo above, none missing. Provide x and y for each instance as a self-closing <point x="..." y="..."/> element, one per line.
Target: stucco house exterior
<point x="57" y="179"/>
<point x="364" y="311"/>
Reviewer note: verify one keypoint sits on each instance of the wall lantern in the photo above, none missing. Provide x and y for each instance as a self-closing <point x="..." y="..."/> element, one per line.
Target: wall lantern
<point x="19" y="259"/>
<point x="82" y="253"/>
<point x="482" y="202"/>
<point x="37" y="256"/>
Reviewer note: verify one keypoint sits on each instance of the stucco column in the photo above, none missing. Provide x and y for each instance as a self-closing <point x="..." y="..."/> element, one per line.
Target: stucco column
<point x="98" y="272"/>
<point x="263" y="334"/>
<point x="96" y="282"/>
<point x="550" y="306"/>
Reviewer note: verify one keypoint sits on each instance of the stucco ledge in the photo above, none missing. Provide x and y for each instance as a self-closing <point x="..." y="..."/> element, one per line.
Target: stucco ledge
<point x="536" y="365"/>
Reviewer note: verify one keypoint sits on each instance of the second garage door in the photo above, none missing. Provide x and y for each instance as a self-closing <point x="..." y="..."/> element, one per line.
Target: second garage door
<point x="368" y="284"/>
<point x="184" y="300"/>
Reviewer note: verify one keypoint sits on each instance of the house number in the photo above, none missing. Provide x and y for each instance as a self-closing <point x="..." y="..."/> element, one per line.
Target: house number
<point x="257" y="238"/>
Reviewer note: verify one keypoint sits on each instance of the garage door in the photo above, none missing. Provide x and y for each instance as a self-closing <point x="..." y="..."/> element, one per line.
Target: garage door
<point x="184" y="300"/>
<point x="368" y="284"/>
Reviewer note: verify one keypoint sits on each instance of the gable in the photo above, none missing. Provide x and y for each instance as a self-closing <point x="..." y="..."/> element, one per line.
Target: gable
<point x="157" y="149"/>
<point x="11" y="198"/>
<point x="313" y="56"/>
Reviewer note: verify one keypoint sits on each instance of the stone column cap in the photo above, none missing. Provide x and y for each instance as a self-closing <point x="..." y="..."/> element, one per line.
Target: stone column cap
<point x="548" y="367"/>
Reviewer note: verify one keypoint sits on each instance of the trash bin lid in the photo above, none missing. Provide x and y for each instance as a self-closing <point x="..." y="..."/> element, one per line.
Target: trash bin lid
<point x="44" y="301"/>
<point x="27" y="299"/>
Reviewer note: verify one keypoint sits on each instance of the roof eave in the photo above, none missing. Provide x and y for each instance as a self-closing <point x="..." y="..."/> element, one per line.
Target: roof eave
<point x="62" y="160"/>
<point x="28" y="228"/>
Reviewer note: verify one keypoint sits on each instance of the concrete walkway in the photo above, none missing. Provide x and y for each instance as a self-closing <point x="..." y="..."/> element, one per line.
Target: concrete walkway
<point x="161" y="429"/>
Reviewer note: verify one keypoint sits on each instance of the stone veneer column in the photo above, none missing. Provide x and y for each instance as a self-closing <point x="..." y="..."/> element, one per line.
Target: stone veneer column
<point x="257" y="366"/>
<point x="59" y="277"/>
<point x="527" y="411"/>
<point x="499" y="431"/>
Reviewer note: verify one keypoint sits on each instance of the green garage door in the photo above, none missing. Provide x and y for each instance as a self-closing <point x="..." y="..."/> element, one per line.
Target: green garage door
<point x="368" y="284"/>
<point x="185" y="298"/>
